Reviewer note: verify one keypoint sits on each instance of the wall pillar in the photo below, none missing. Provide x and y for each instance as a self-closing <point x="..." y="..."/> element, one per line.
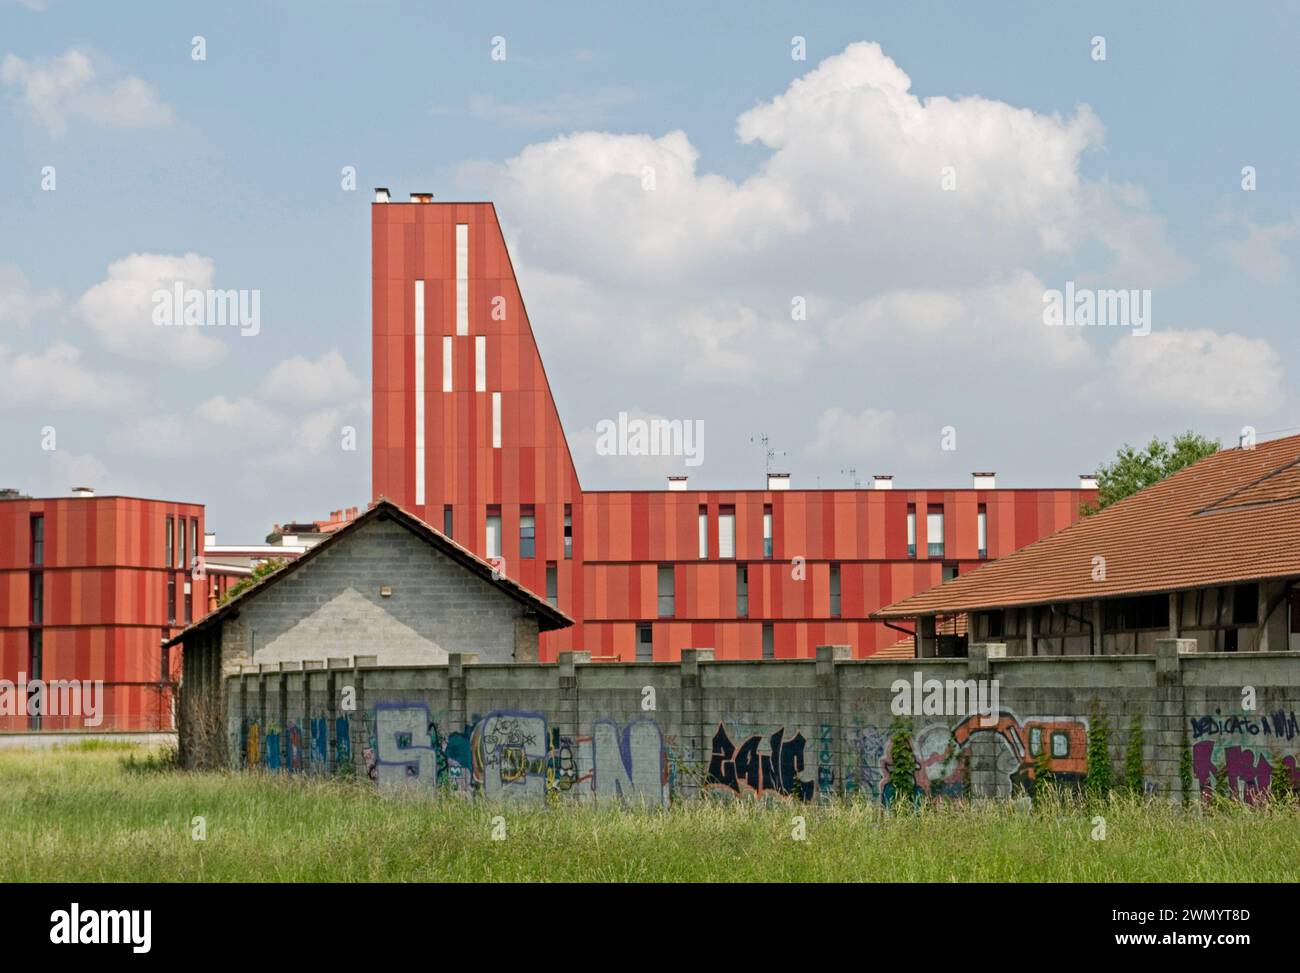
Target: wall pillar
<point x="333" y="710"/>
<point x="1171" y="716"/>
<point x="982" y="770"/>
<point x="695" y="740"/>
<point x="457" y="703"/>
<point x="829" y="745"/>
<point x="566" y="716"/>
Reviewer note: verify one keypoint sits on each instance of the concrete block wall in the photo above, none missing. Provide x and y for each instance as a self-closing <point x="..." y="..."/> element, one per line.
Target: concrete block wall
<point x="797" y="730"/>
<point x="434" y="608"/>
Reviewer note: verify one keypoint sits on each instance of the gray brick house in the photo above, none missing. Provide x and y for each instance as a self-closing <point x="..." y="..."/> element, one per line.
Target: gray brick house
<point x="388" y="586"/>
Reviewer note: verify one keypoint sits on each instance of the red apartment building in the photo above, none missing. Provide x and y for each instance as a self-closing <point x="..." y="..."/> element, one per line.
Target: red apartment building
<point x="467" y="437"/>
<point x="89" y="589"/>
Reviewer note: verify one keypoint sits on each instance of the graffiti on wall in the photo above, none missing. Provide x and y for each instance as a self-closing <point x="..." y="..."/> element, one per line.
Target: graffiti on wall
<point x="1242" y="747"/>
<point x="517" y="756"/>
<point x="759" y="766"/>
<point x="943" y="754"/>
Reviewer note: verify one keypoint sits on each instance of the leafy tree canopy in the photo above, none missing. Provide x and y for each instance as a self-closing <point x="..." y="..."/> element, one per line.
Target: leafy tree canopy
<point x="260" y="570"/>
<point x="1135" y="469"/>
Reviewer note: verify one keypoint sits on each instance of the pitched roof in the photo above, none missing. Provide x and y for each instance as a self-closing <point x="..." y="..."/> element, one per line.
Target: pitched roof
<point x="1231" y="517"/>
<point x="548" y="618"/>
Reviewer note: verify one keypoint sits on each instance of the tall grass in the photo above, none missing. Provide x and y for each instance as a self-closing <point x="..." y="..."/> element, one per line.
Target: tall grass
<point x="90" y="814"/>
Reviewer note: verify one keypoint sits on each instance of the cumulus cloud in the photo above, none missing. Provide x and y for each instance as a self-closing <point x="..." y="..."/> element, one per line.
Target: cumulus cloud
<point x="1260" y="253"/>
<point x="120" y="309"/>
<point x="301" y="380"/>
<point x="18" y="302"/>
<point x="870" y="432"/>
<point x="57" y="377"/>
<point x="1198" y="371"/>
<point x="67" y="88"/>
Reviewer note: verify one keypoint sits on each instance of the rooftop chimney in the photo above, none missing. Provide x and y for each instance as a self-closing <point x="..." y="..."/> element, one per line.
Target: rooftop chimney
<point x="883" y="481"/>
<point x="983" y="481"/>
<point x="422" y="197"/>
<point x="83" y="491"/>
<point x="1087" y="481"/>
<point x="676" y="483"/>
<point x="381" y="194"/>
<point x="778" y="481"/>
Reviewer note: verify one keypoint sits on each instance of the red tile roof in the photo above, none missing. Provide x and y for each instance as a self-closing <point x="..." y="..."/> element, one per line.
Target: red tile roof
<point x="1231" y="517"/>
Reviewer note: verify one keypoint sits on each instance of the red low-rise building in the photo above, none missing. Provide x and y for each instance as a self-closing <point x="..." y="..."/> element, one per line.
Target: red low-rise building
<point x="90" y="587"/>
<point x="467" y="436"/>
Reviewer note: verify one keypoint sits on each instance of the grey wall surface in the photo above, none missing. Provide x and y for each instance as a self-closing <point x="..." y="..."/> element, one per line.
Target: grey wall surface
<point x="436" y="608"/>
<point x="799" y="730"/>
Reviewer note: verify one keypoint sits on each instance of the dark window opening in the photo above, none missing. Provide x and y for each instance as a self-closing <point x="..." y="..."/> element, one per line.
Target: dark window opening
<point x="568" y="531"/>
<point x="448" y="520"/>
<point x="835" y="591"/>
<point x="666" y="598"/>
<point x="38" y="540"/>
<point x="769" y="642"/>
<point x="742" y="591"/>
<point x="1245" y="604"/>
<point x="1127" y="614"/>
<point x="37" y="586"/>
<point x="993" y="622"/>
<point x="527" y="533"/>
<point x="552" y="585"/>
<point x="645" y="649"/>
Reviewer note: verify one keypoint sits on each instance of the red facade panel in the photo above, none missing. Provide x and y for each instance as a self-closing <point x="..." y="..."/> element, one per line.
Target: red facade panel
<point x="620" y="538"/>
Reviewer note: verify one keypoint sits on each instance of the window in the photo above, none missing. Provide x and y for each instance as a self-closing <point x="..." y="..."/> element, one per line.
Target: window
<point x="742" y="591"/>
<point x="189" y="604"/>
<point x="666" y="599"/>
<point x="38" y="540"/>
<point x="35" y="667"/>
<point x="1245" y="604"/>
<point x="182" y="537"/>
<point x="492" y="545"/>
<point x="704" y="531"/>
<point x="527" y="532"/>
<point x="568" y="531"/>
<point x="1124" y="614"/>
<point x="480" y="363"/>
<point x="195" y="553"/>
<point x="552" y="585"/>
<point x="769" y="641"/>
<point x="448" y="520"/>
<point x="727" y="532"/>
<point x="171" y="539"/>
<point x="171" y="600"/>
<point x="934" y="532"/>
<point x="835" y="591"/>
<point x="911" y="530"/>
<point x="419" y="390"/>
<point x="645" y="649"/>
<point x="496" y="420"/>
<point x="982" y="528"/>
<point x="949" y="572"/>
<point x="767" y="530"/>
<point x="446" y="363"/>
<point x="994" y="624"/>
<point x="37" y="589"/>
<point x="462" y="278"/>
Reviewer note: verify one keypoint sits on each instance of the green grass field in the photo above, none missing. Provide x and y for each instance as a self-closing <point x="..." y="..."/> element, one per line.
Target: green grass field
<point x="80" y="814"/>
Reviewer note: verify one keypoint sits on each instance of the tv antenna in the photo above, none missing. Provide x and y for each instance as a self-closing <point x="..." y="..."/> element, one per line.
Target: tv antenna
<point x="769" y="453"/>
<point x="852" y="474"/>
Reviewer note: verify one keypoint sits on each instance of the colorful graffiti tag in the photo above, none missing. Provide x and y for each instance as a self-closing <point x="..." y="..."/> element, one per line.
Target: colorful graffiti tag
<point x="1241" y="748"/>
<point x="748" y="769"/>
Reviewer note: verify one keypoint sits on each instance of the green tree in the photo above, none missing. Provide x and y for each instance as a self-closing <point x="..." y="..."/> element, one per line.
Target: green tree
<point x="1279" y="783"/>
<point x="260" y="571"/>
<point x="1101" y="773"/>
<point x="1133" y="781"/>
<point x="1043" y="776"/>
<point x="903" y="766"/>
<point x="1135" y="469"/>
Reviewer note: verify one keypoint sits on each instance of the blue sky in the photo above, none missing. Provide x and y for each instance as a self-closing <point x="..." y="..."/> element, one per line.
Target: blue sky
<point x="778" y="178"/>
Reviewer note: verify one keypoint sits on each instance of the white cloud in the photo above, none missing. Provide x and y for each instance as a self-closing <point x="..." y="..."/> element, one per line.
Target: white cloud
<point x="1006" y="317"/>
<point x="564" y="110"/>
<point x="303" y="381"/>
<point x="18" y="302"/>
<point x="1197" y="371"/>
<point x="1260" y="253"/>
<point x="56" y="377"/>
<point x="120" y="309"/>
<point x="69" y="470"/>
<point x="841" y="433"/>
<point x="57" y="91"/>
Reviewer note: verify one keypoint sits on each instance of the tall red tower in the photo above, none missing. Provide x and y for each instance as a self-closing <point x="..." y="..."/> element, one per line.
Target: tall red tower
<point x="466" y="436"/>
